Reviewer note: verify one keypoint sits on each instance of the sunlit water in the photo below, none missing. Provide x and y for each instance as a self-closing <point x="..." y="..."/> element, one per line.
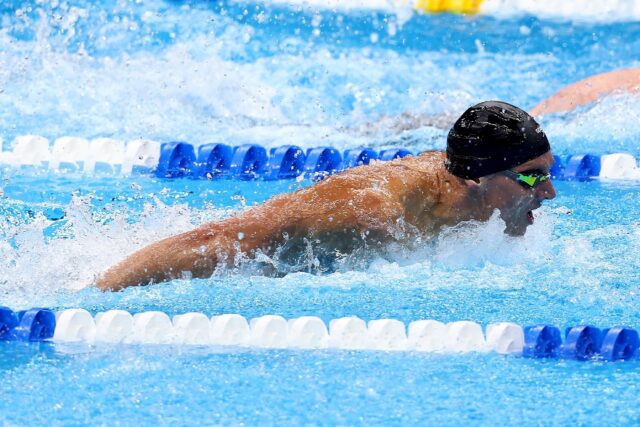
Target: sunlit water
<point x="275" y="74"/>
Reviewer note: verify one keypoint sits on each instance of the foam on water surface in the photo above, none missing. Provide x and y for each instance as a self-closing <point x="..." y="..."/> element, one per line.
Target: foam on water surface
<point x="272" y="74"/>
<point x="266" y="73"/>
<point x="310" y="74"/>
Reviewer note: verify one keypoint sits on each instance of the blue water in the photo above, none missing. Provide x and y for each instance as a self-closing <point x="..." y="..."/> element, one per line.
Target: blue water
<point x="264" y="73"/>
<point x="146" y="385"/>
<point x="273" y="74"/>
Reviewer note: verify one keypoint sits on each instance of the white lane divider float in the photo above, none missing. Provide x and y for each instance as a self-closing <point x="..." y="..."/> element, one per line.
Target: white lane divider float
<point x="191" y="328"/>
<point x="505" y="337"/>
<point x="619" y="166"/>
<point x="307" y="332"/>
<point x="348" y="333"/>
<point x="229" y="329"/>
<point x="73" y="154"/>
<point x="69" y="154"/>
<point x="151" y="327"/>
<point x="464" y="336"/>
<point x="427" y="335"/>
<point x="105" y="155"/>
<point x="387" y="334"/>
<point x="269" y="331"/>
<point x="74" y="325"/>
<point x="141" y="156"/>
<point x="29" y="150"/>
<point x="112" y="326"/>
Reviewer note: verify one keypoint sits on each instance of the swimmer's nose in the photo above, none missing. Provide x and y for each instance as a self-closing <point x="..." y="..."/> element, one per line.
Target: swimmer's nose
<point x="546" y="191"/>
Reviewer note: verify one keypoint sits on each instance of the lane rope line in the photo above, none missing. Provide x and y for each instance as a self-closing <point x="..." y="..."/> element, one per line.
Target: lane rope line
<point x="583" y="342"/>
<point x="177" y="159"/>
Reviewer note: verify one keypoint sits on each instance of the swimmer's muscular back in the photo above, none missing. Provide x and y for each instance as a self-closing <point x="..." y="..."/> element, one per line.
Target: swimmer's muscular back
<point x="367" y="198"/>
<point x="376" y="198"/>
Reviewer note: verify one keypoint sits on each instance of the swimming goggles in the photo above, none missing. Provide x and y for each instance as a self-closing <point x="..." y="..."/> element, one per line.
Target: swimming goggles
<point x="528" y="179"/>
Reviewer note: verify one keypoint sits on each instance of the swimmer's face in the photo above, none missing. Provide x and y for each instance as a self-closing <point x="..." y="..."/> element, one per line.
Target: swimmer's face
<point x="516" y="202"/>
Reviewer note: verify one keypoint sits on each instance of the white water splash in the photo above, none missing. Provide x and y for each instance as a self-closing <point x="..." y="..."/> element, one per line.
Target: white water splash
<point x="608" y="125"/>
<point x="475" y="244"/>
<point x="196" y="89"/>
<point x="84" y="247"/>
<point x="583" y="11"/>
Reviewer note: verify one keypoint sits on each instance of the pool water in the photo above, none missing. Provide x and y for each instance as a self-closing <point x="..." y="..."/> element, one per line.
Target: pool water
<point x="275" y="73"/>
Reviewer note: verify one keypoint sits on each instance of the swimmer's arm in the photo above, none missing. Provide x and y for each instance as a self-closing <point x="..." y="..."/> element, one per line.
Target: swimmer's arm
<point x="589" y="90"/>
<point x="192" y="254"/>
<point x="338" y="203"/>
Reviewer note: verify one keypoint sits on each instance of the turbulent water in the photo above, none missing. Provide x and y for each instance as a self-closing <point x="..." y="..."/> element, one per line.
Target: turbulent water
<point x="309" y="73"/>
<point x="271" y="73"/>
<point x="275" y="73"/>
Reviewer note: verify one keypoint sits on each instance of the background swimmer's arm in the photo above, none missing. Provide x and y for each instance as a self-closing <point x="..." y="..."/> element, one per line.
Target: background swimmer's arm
<point x="589" y="90"/>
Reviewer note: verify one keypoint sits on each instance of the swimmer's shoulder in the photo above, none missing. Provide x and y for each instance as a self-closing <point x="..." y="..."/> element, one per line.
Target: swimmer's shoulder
<point x="429" y="162"/>
<point x="397" y="174"/>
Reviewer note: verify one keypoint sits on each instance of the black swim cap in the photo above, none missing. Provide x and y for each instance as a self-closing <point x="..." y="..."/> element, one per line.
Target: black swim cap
<point x="491" y="137"/>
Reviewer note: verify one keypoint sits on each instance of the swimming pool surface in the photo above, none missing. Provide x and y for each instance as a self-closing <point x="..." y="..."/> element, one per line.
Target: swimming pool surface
<point x="275" y="73"/>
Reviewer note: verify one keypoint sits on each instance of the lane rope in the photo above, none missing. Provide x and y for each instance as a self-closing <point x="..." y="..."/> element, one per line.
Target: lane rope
<point x="177" y="159"/>
<point x="583" y="342"/>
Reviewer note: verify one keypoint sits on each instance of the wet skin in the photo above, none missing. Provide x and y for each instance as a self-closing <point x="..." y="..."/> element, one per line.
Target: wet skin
<point x="398" y="201"/>
<point x="589" y="90"/>
<point x="515" y="202"/>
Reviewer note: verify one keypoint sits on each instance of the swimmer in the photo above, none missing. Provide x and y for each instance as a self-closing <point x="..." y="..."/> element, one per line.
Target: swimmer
<point x="590" y="90"/>
<point x="497" y="158"/>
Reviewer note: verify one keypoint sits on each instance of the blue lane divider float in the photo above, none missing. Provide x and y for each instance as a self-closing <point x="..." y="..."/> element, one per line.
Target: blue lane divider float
<point x="359" y="156"/>
<point x="394" y="153"/>
<point x="581" y="343"/>
<point x="8" y="322"/>
<point x="619" y="343"/>
<point x="251" y="161"/>
<point x="322" y="161"/>
<point x="541" y="341"/>
<point x="581" y="167"/>
<point x="213" y="161"/>
<point x="177" y="159"/>
<point x="285" y="162"/>
<point x="36" y="324"/>
<point x="248" y="162"/>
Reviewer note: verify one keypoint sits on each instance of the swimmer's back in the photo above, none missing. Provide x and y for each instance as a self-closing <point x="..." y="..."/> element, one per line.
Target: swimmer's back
<point x="370" y="197"/>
